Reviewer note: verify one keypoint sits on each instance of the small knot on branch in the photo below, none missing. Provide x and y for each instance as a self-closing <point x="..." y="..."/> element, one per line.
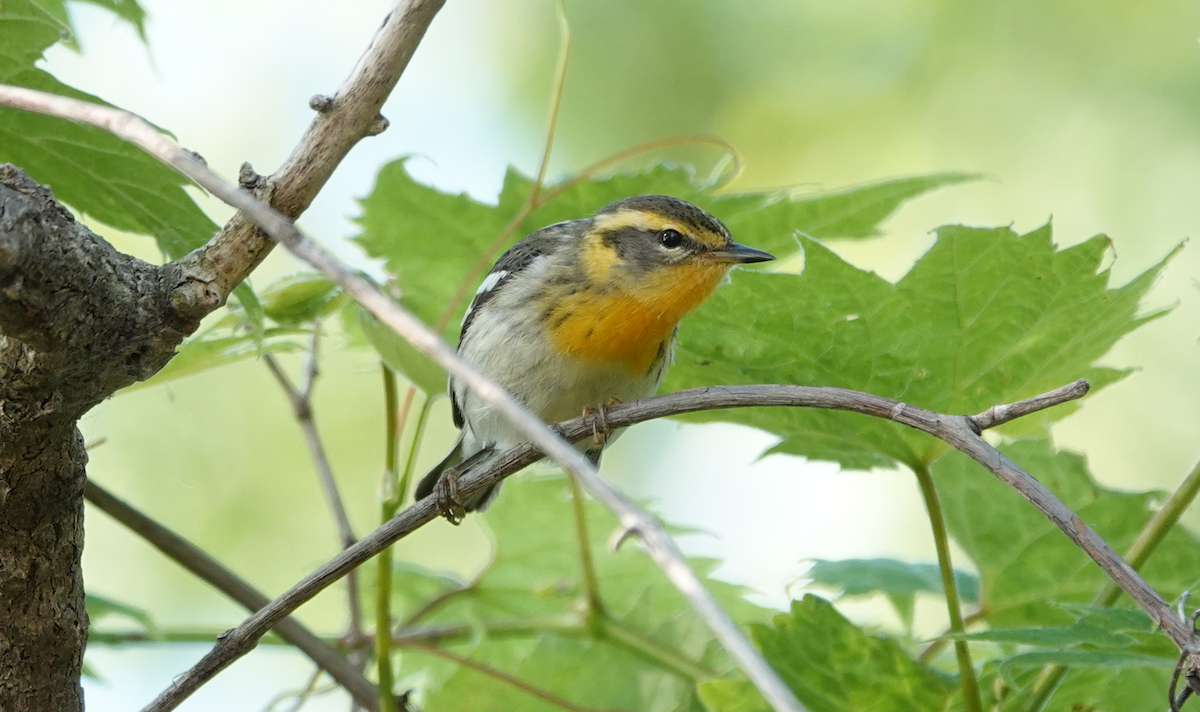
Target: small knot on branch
<point x="378" y="126"/>
<point x="248" y="179"/>
<point x="320" y="103"/>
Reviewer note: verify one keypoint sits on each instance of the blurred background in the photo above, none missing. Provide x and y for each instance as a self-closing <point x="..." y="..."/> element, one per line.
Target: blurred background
<point x="1084" y="113"/>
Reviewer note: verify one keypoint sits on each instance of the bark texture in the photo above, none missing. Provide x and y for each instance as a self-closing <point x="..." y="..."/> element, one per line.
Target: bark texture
<point x="78" y="320"/>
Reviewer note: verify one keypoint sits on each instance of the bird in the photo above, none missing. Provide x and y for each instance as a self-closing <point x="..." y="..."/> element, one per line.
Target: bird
<point x="578" y="316"/>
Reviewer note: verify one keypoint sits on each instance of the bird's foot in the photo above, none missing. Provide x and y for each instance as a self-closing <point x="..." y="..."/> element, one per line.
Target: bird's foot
<point x="601" y="432"/>
<point x="445" y="497"/>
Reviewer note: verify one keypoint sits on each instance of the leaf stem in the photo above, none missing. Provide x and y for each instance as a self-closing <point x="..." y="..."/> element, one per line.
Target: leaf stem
<point x="383" y="562"/>
<point x="413" y="448"/>
<point x="591" y="585"/>
<point x="560" y="77"/>
<point x="937" y="523"/>
<point x="669" y="658"/>
<point x="502" y="676"/>
<point x="395" y="492"/>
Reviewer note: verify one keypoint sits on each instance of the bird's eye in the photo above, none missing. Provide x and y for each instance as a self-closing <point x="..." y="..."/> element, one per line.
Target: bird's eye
<point x="670" y="238"/>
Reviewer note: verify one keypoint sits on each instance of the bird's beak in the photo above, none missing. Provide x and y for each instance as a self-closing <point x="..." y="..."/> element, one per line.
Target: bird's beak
<point x="740" y="254"/>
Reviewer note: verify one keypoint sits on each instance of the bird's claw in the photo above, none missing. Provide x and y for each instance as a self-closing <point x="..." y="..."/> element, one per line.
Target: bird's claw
<point x="601" y="432"/>
<point x="445" y="497"/>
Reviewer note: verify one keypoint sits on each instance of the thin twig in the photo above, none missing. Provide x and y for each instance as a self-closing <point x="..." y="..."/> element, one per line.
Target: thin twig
<point x="498" y="674"/>
<point x="566" y="624"/>
<point x="1000" y="414"/>
<point x="666" y="657"/>
<point x="395" y="489"/>
<point x="654" y="538"/>
<point x="301" y="400"/>
<point x="560" y="81"/>
<point x="209" y="570"/>
<point x="383" y="562"/>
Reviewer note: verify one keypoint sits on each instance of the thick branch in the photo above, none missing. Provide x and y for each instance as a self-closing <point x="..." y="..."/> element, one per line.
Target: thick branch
<point x="208" y="569"/>
<point x="342" y="120"/>
<point x="78" y="320"/>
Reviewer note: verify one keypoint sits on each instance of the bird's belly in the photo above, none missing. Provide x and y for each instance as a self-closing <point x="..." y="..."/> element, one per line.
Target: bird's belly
<point x="554" y="385"/>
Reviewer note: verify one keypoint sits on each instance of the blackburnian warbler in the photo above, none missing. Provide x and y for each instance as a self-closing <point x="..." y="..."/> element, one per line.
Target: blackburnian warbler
<point x="579" y="315"/>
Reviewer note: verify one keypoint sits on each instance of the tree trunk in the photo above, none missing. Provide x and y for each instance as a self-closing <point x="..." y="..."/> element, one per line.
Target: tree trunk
<point x="43" y="623"/>
<point x="78" y="320"/>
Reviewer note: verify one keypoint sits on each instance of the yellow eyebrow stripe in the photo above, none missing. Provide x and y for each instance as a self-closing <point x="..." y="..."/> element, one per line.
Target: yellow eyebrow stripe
<point x="653" y="222"/>
<point x="636" y="219"/>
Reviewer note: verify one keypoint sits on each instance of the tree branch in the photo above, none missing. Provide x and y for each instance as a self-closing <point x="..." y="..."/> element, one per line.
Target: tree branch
<point x="342" y="120"/>
<point x="195" y="560"/>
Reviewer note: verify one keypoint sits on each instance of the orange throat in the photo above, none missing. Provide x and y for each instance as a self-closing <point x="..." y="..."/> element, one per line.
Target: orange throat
<point x="632" y="326"/>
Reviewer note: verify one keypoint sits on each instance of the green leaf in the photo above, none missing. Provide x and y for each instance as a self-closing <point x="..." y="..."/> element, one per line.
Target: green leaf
<point x="26" y="30"/>
<point x="771" y="222"/>
<point x="398" y="354"/>
<point x="525" y="618"/>
<point x="199" y="355"/>
<point x="732" y="696"/>
<point x="300" y="298"/>
<point x="1095" y="629"/>
<point x="127" y="10"/>
<point x="1028" y="567"/>
<point x="88" y="168"/>
<point x="861" y="577"/>
<point x="987" y="316"/>
<point x="1133" y="686"/>
<point x="832" y="665"/>
<point x="1083" y="658"/>
<point x="101" y="607"/>
<point x="252" y="309"/>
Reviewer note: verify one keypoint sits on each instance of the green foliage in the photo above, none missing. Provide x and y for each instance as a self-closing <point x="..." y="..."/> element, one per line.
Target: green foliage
<point x="102" y="608"/>
<point x="201" y="354"/>
<point x="88" y="168"/>
<point x="860" y="577"/>
<point x="127" y="10"/>
<point x="1097" y="638"/>
<point x="832" y="666"/>
<point x="523" y="615"/>
<point x="300" y="298"/>
<point x="986" y="316"/>
<point x="899" y="581"/>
